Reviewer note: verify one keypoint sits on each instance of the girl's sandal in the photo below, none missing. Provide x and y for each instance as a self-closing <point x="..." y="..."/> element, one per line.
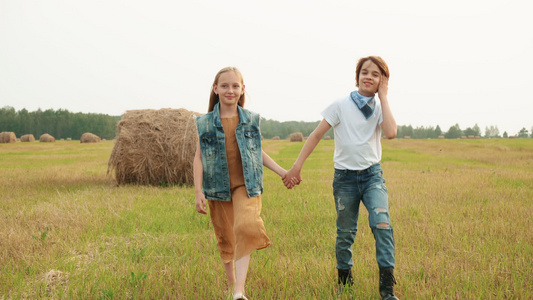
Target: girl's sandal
<point x="239" y="296"/>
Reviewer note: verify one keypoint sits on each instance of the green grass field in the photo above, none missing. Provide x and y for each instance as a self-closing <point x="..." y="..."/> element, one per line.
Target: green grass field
<point x="462" y="214"/>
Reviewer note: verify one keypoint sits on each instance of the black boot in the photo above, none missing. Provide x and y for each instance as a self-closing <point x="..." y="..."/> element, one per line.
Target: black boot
<point x="386" y="281"/>
<point x="345" y="277"/>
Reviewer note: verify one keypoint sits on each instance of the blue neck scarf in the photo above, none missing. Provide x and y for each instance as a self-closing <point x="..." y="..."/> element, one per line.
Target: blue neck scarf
<point x="365" y="104"/>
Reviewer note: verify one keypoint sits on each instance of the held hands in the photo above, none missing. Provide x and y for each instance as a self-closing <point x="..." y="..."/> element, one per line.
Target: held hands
<point x="201" y="205"/>
<point x="292" y="178"/>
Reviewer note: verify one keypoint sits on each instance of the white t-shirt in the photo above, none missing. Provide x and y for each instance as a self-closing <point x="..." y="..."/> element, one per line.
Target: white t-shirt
<point x="357" y="140"/>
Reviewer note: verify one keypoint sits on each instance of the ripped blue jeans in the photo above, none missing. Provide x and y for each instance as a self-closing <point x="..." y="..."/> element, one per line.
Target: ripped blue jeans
<point x="350" y="188"/>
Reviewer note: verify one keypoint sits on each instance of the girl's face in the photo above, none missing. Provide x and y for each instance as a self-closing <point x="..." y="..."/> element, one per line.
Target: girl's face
<point x="229" y="88"/>
<point x="369" y="79"/>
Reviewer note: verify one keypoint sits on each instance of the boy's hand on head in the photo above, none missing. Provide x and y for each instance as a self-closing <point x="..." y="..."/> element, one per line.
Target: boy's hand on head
<point x="383" y="88"/>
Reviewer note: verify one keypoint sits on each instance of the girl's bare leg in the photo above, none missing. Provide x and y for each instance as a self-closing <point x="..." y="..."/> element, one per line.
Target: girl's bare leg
<point x="241" y="267"/>
<point x="230" y="273"/>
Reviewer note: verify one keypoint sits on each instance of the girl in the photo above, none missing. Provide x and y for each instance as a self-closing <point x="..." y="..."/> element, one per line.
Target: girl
<point x="228" y="171"/>
<point x="358" y="120"/>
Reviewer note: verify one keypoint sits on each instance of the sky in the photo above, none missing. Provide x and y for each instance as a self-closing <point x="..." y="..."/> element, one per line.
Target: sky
<point x="452" y="62"/>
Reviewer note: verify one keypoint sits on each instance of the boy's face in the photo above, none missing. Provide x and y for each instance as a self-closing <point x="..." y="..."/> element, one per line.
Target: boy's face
<point x="229" y="88"/>
<point x="369" y="79"/>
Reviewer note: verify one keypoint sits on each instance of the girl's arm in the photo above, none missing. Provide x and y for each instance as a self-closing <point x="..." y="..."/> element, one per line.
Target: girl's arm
<point x="390" y="129"/>
<point x="314" y="138"/>
<point x="198" y="172"/>
<point x="272" y="165"/>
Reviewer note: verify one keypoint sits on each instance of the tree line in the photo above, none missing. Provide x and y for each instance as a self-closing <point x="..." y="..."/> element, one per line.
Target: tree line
<point x="455" y="132"/>
<point x="64" y="124"/>
<point x="58" y="123"/>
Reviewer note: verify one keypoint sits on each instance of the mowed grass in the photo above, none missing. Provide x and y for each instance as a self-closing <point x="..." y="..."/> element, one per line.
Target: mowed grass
<point x="461" y="211"/>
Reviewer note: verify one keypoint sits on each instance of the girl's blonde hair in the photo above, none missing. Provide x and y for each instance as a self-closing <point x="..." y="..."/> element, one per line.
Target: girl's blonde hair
<point x="375" y="59"/>
<point x="213" y="98"/>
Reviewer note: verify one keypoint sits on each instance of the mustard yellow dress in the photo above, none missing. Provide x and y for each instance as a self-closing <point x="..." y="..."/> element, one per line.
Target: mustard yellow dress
<point x="239" y="228"/>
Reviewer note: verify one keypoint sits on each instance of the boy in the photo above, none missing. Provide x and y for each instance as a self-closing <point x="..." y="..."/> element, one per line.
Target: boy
<point x="358" y="121"/>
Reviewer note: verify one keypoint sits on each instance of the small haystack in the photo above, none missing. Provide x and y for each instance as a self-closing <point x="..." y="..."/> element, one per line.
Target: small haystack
<point x="275" y="138"/>
<point x="155" y="147"/>
<point x="89" y="138"/>
<point x="8" y="137"/>
<point x="27" y="138"/>
<point x="46" y="138"/>
<point x="296" y="137"/>
<point x="327" y="138"/>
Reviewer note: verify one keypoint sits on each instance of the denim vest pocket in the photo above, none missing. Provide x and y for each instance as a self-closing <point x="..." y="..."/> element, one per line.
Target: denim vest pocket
<point x="253" y="140"/>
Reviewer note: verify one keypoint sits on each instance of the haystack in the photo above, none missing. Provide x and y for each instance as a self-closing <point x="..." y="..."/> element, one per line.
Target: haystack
<point x="155" y="147"/>
<point x="89" y="138"/>
<point x="275" y="138"/>
<point x="27" y="138"/>
<point x="46" y="138"/>
<point x="296" y="137"/>
<point x="7" y="137"/>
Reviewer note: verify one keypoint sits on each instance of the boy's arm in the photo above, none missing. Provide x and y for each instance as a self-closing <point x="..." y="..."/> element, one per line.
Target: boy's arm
<point x="198" y="172"/>
<point x="390" y="129"/>
<point x="310" y="144"/>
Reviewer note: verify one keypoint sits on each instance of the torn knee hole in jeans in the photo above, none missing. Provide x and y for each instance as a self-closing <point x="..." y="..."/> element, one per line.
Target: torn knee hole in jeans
<point x="380" y="210"/>
<point x="383" y="226"/>
<point x="339" y="204"/>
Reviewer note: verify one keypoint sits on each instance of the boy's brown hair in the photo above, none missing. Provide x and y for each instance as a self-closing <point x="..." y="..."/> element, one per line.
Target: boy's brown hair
<point x="382" y="65"/>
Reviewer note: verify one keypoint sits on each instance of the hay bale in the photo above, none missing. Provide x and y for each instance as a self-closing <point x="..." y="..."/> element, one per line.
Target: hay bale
<point x="275" y="138"/>
<point x="296" y="137"/>
<point x="27" y="138"/>
<point x="327" y="138"/>
<point x="89" y="138"/>
<point x="155" y="147"/>
<point x="8" y="137"/>
<point x="46" y="138"/>
<point x="69" y="139"/>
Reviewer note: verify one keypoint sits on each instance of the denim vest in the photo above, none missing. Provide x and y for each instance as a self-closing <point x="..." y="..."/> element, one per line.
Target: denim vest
<point x="216" y="184"/>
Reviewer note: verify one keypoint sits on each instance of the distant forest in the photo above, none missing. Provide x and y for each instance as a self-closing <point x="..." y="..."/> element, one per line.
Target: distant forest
<point x="64" y="124"/>
<point x="58" y="123"/>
